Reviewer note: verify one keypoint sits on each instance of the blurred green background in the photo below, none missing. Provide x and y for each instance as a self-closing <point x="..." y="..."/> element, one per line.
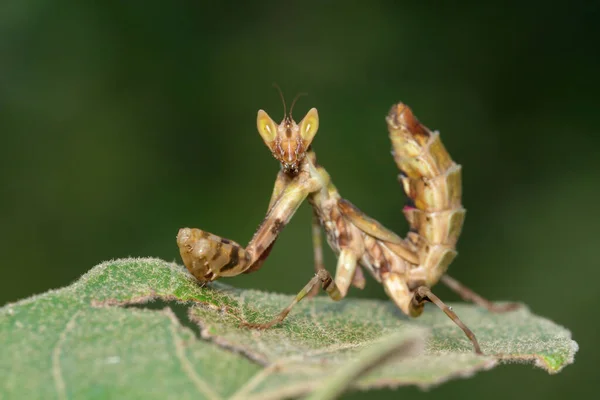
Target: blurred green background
<point x="123" y="121"/>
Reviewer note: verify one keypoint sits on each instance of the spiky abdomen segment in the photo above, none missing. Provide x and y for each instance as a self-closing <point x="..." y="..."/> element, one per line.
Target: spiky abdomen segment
<point x="432" y="182"/>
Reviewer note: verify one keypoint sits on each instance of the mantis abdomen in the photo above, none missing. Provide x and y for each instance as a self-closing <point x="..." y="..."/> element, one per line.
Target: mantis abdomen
<point x="432" y="182"/>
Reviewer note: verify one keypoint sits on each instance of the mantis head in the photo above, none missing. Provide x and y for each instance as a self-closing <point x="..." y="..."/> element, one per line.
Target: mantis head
<point x="288" y="141"/>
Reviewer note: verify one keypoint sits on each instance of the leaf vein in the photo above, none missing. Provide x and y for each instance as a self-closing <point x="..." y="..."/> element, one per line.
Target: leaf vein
<point x="186" y="365"/>
<point x="259" y="377"/>
<point x="59" y="382"/>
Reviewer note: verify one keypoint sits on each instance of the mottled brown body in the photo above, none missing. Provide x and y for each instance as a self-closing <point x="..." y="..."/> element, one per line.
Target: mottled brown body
<point x="407" y="268"/>
<point x="361" y="241"/>
<point x="432" y="182"/>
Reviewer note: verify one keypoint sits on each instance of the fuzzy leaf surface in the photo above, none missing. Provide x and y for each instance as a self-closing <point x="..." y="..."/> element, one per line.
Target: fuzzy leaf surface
<point x="83" y="341"/>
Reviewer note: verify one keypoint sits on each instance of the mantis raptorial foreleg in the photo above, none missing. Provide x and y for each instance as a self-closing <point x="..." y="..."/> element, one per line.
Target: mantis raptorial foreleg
<point x="468" y="295"/>
<point x="209" y="256"/>
<point x="282" y="210"/>
<point x="281" y="182"/>
<point x="317" y="238"/>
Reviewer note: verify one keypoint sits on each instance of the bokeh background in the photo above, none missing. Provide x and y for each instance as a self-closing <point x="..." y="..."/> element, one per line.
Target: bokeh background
<point x="121" y="122"/>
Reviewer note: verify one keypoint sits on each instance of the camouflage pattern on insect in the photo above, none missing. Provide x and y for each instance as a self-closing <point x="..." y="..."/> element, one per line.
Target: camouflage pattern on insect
<point x="407" y="268"/>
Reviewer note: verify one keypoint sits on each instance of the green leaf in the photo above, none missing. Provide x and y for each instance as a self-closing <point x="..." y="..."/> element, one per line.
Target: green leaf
<point x="77" y="342"/>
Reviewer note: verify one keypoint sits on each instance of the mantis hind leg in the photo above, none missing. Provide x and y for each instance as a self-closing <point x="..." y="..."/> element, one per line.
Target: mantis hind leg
<point x="423" y="294"/>
<point x="468" y="295"/>
<point x="327" y="284"/>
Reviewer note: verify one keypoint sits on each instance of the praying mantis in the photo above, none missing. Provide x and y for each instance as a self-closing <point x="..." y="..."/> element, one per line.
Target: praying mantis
<point x="407" y="268"/>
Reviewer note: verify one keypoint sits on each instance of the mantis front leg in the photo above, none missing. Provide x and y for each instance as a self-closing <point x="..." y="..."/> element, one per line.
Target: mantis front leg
<point x="209" y="256"/>
<point x="317" y="238"/>
<point x="281" y="182"/>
